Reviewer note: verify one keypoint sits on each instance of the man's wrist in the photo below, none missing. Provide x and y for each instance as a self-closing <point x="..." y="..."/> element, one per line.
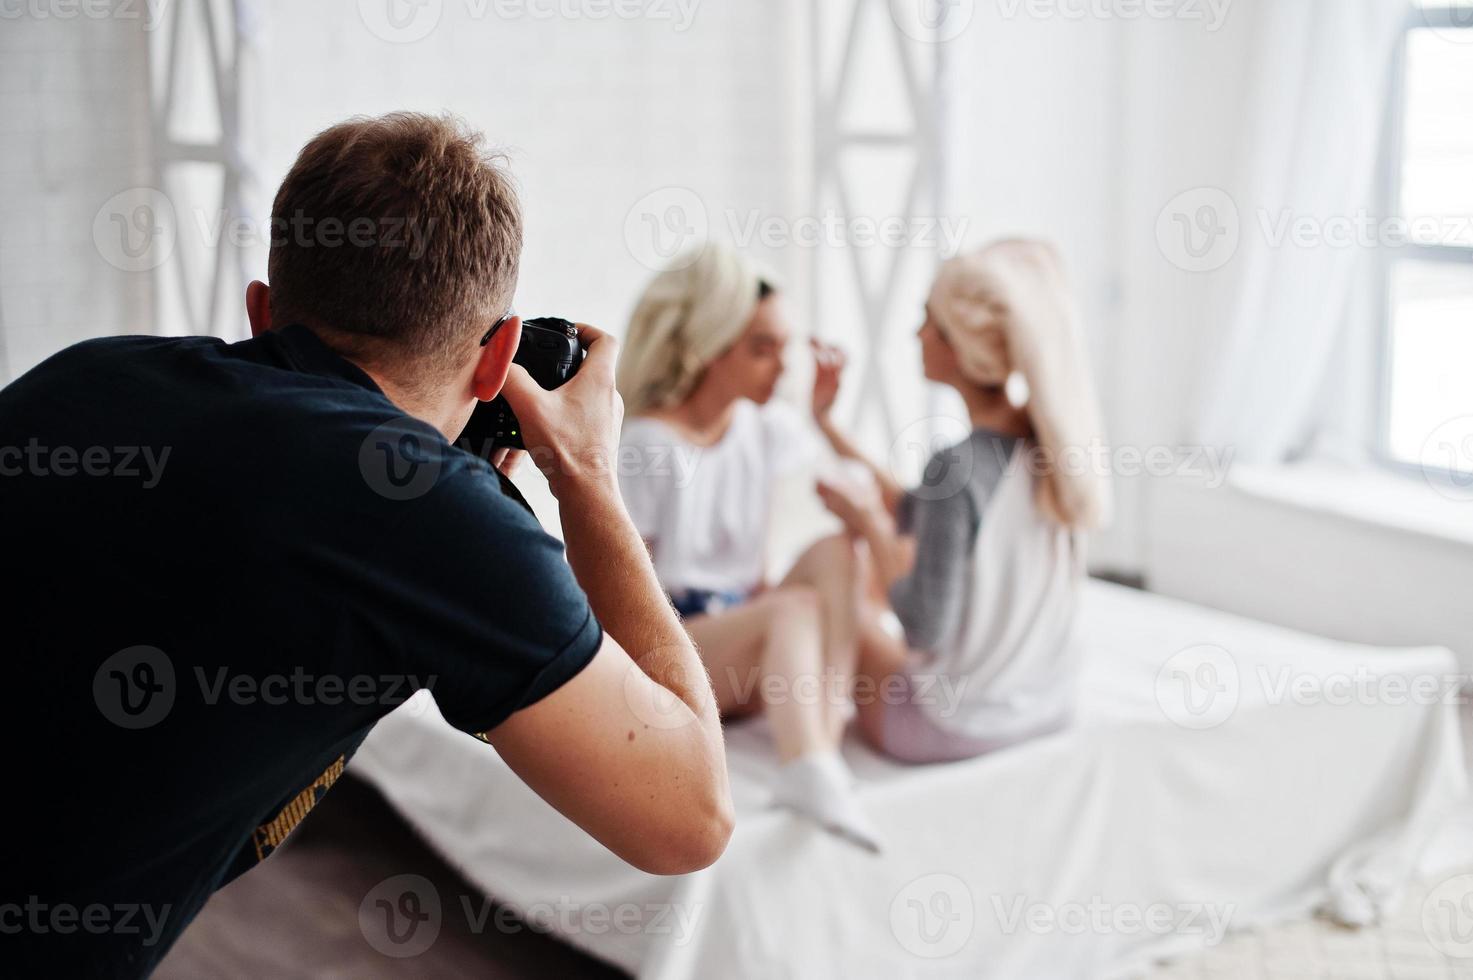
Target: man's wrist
<point x="580" y="473"/>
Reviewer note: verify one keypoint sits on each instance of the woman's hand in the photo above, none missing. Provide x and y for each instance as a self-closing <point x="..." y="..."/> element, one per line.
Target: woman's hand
<point x="828" y="367"/>
<point x="856" y="503"/>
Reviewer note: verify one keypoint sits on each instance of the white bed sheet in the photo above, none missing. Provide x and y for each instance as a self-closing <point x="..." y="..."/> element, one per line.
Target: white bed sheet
<point x="1080" y="855"/>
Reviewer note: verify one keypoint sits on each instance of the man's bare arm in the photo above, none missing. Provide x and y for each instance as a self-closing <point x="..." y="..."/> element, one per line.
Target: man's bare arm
<point x="630" y="749"/>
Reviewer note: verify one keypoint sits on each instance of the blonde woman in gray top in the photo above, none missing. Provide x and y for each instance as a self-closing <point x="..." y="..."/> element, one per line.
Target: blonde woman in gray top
<point x="982" y="562"/>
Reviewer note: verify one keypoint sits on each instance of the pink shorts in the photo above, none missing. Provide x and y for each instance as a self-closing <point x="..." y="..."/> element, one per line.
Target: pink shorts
<point x="909" y="734"/>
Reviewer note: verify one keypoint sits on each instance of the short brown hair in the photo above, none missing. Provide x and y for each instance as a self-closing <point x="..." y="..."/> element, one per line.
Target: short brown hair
<point x="427" y="232"/>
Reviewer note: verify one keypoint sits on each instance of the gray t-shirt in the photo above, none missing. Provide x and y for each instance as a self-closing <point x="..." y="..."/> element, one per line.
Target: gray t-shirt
<point x="945" y="514"/>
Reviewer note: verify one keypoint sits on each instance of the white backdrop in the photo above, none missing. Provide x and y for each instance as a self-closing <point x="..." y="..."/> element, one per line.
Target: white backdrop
<point x="1080" y="129"/>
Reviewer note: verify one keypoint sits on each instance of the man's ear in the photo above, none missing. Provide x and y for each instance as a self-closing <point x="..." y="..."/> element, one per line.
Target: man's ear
<point x="496" y="358"/>
<point x="258" y="307"/>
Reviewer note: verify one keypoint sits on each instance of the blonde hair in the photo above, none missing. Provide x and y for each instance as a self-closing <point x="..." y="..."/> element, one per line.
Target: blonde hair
<point x="1007" y="308"/>
<point x="689" y="315"/>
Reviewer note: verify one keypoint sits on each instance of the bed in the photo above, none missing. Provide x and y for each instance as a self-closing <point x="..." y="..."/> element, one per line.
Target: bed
<point x="1223" y="773"/>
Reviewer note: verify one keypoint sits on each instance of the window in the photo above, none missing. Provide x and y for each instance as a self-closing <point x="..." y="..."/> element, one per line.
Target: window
<point x="1427" y="404"/>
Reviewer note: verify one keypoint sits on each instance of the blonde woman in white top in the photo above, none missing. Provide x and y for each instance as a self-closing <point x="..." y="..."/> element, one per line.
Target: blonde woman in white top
<point x="703" y="445"/>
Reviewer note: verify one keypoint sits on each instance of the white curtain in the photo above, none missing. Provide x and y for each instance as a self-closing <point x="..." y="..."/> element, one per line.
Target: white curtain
<point x="1288" y="369"/>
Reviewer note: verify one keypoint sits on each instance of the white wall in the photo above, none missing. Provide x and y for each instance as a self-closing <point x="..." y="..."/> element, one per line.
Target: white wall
<point x="1330" y="555"/>
<point x="1372" y="560"/>
<point x="1079" y="130"/>
<point x="1179" y="118"/>
<point x="595" y="114"/>
<point x="75" y="129"/>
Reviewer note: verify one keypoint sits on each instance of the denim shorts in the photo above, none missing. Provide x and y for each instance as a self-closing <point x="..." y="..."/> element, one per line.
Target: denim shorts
<point x="703" y="602"/>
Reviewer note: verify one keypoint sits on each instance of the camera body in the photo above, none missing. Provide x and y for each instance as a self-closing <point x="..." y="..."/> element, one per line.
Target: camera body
<point x="550" y="352"/>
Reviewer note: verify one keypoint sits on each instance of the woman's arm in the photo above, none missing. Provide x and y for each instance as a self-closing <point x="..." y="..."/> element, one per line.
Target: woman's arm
<point x="829" y="364"/>
<point x="931" y="598"/>
<point x="923" y="573"/>
<point x="866" y="516"/>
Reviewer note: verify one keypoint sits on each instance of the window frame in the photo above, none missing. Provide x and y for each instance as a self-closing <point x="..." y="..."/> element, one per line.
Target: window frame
<point x="1447" y="15"/>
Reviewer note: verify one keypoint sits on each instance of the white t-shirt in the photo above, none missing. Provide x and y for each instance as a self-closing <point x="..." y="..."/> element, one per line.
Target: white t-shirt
<point x="705" y="508"/>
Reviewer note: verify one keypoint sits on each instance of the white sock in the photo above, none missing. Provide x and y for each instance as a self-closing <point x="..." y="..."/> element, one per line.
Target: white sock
<point x="820" y="786"/>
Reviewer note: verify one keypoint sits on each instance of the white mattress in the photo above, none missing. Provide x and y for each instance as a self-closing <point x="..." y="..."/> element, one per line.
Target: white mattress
<point x="1080" y="855"/>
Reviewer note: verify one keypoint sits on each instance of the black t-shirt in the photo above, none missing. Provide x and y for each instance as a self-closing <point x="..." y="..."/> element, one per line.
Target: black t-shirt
<point x="227" y="561"/>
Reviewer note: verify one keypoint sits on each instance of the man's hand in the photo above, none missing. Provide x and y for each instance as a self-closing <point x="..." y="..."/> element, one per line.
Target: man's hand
<point x="572" y="432"/>
<point x="508" y="461"/>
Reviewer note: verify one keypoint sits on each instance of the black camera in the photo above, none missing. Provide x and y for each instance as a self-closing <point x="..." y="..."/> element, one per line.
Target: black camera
<point x="550" y="351"/>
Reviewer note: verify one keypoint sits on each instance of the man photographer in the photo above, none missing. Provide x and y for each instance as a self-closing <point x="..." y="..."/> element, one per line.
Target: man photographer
<point x="201" y="651"/>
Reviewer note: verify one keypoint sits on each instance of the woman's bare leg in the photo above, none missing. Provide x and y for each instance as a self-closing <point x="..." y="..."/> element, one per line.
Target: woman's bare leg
<point x="834" y="568"/>
<point x="881" y="655"/>
<point x="768" y="646"/>
<point x="777" y="639"/>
